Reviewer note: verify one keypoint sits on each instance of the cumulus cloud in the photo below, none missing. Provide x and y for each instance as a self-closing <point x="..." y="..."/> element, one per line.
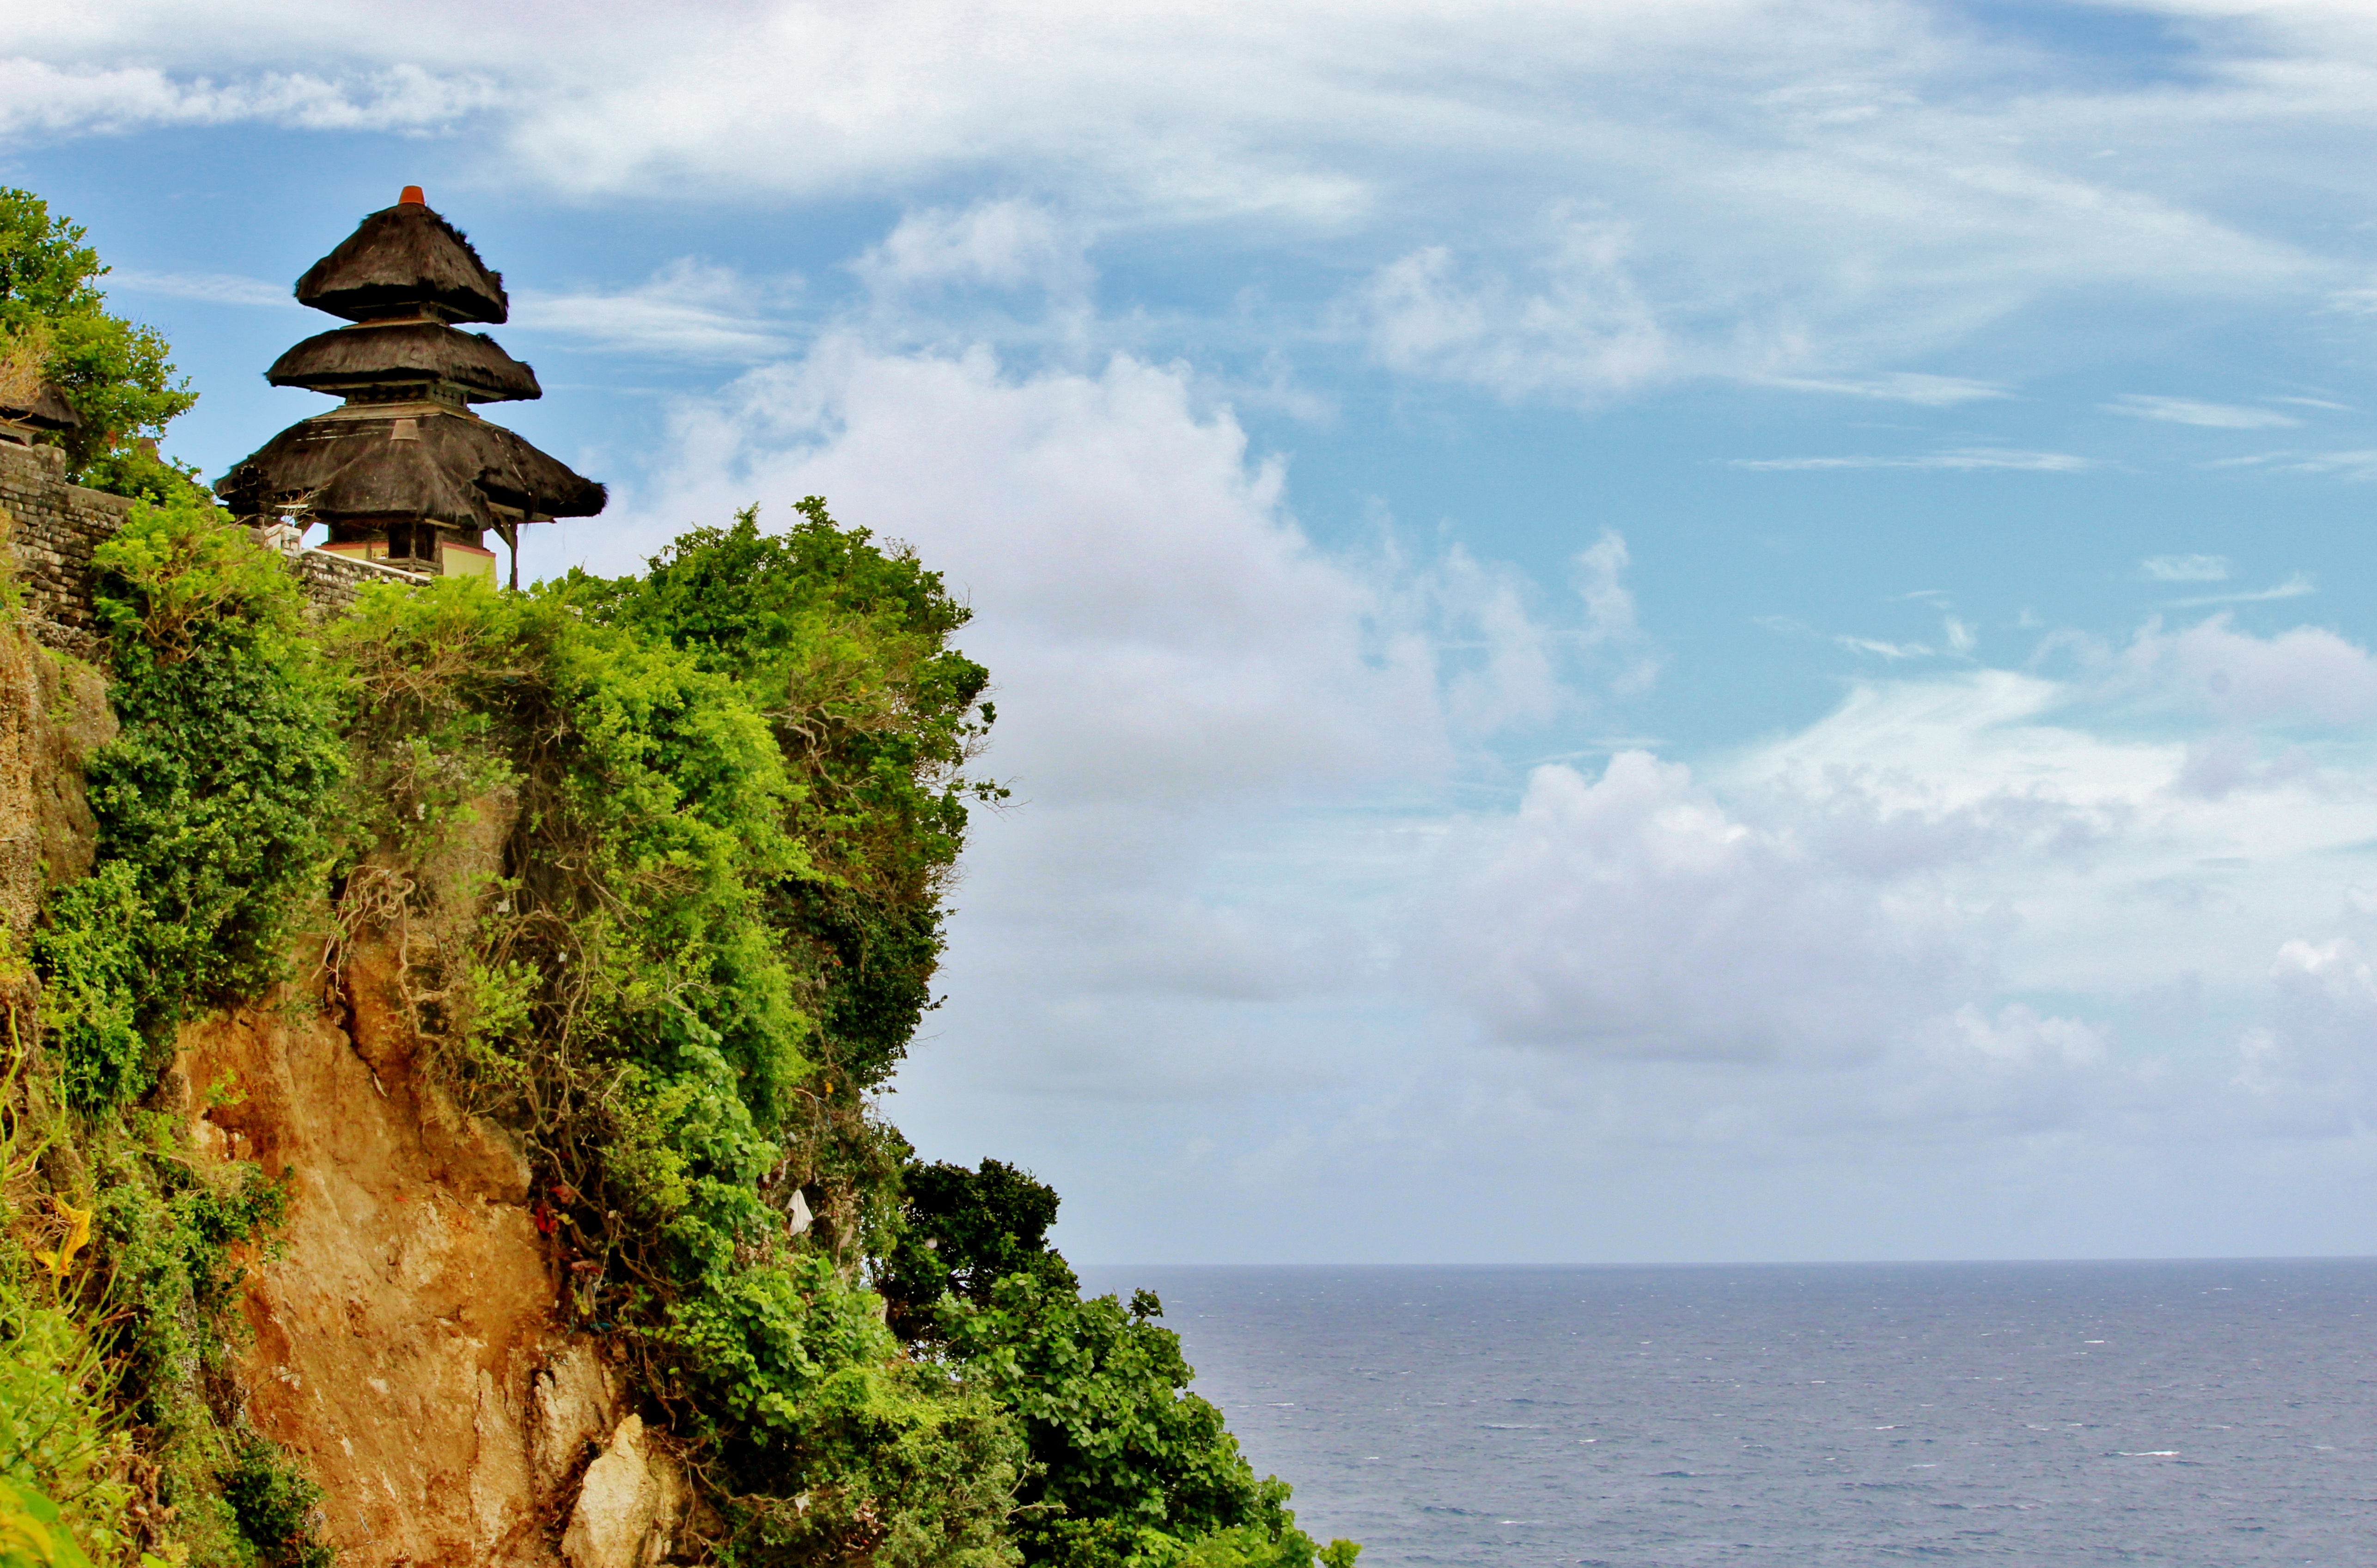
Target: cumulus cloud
<point x="996" y="245"/>
<point x="2305" y="674"/>
<point x="1633" y="914"/>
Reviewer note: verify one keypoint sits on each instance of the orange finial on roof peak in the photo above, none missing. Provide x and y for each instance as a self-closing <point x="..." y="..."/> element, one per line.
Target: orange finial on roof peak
<point x="411" y="197"/>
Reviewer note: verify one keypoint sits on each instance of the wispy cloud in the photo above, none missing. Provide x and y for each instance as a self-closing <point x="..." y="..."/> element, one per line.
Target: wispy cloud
<point x="1957" y="460"/>
<point x="215" y="288"/>
<point x="2295" y="587"/>
<point x="2186" y="568"/>
<point x="2187" y="410"/>
<point x="2350" y="465"/>
<point x="1882" y="649"/>
<point x="688" y="310"/>
<point x="1898" y="386"/>
<point x="36" y="96"/>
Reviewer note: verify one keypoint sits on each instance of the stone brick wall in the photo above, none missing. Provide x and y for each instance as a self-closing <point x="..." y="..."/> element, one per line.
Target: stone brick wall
<point x="52" y="527"/>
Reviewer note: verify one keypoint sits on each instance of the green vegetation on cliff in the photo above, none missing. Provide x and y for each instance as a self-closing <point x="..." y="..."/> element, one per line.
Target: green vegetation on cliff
<point x="116" y="376"/>
<point x="661" y="860"/>
<point x="726" y="797"/>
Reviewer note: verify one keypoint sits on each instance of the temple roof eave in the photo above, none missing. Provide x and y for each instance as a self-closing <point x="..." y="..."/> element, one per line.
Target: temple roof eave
<point x="450" y="468"/>
<point x="374" y="354"/>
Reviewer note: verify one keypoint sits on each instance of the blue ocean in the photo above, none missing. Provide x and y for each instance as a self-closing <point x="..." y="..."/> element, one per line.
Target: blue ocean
<point x="2201" y="1413"/>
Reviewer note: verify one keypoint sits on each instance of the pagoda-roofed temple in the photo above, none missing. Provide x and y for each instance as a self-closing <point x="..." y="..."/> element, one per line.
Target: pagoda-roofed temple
<point x="403" y="473"/>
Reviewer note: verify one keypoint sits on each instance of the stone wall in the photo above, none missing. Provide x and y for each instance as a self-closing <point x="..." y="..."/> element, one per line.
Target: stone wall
<point x="53" y="528"/>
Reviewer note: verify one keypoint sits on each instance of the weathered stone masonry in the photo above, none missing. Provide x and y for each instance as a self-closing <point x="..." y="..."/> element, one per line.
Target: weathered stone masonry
<point x="54" y="526"/>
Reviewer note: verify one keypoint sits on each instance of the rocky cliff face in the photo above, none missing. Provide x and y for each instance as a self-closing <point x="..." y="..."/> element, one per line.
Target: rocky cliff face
<point x="403" y="1339"/>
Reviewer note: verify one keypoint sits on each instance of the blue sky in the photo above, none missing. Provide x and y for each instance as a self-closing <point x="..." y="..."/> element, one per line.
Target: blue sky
<point x="1628" y="631"/>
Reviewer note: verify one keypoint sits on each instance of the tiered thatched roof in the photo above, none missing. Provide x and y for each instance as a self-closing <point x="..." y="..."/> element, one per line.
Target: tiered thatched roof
<point x="401" y="259"/>
<point x="395" y="353"/>
<point x="403" y="448"/>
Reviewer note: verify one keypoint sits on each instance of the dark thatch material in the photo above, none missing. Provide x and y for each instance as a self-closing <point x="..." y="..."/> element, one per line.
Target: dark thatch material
<point x="41" y="406"/>
<point x="358" y="357"/>
<point x="447" y="468"/>
<point x="401" y="258"/>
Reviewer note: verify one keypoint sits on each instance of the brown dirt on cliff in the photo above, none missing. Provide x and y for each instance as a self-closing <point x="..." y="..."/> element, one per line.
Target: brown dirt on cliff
<point x="404" y="1340"/>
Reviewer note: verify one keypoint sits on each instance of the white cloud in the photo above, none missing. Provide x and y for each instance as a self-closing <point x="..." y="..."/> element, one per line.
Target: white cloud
<point x="39" y="98"/>
<point x="1883" y="649"/>
<point x="1857" y="186"/>
<point x="689" y="310"/>
<point x="2297" y="586"/>
<point x="1957" y="460"/>
<point x="2187" y="410"/>
<point x="2186" y="568"/>
<point x="1901" y="386"/>
<point x="2307" y="674"/>
<point x="1634" y="914"/>
<point x="216" y="288"/>
<point x="1584" y="329"/>
<point x="998" y="244"/>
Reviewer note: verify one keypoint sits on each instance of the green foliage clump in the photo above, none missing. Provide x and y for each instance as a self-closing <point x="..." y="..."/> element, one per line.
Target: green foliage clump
<point x="118" y="376"/>
<point x="963" y="1231"/>
<point x="210" y="800"/>
<point x="842" y="644"/>
<point x="277" y="1506"/>
<point x="1132" y="1472"/>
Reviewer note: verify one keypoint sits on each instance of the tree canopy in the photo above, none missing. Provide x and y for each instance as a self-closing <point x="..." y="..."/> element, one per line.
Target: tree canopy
<point x="116" y="375"/>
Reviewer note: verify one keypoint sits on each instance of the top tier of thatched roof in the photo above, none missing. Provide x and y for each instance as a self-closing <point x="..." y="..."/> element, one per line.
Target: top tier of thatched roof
<point x="402" y="260"/>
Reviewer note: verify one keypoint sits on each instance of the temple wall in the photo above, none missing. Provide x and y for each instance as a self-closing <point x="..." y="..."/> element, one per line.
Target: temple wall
<point x="53" y="528"/>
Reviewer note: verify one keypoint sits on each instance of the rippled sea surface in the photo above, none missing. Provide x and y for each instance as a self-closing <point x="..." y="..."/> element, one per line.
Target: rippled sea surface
<point x="2201" y="1413"/>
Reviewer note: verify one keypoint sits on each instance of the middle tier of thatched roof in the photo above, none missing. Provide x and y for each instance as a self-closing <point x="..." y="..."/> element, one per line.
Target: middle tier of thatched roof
<point x="397" y="353"/>
<point x="406" y="460"/>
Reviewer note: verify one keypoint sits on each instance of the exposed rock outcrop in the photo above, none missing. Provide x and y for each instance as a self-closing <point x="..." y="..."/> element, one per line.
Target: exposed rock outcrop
<point x="404" y="1338"/>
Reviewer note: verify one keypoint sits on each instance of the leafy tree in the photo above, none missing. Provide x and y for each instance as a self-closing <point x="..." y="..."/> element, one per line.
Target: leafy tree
<point x="1133" y="1471"/>
<point x="961" y="1231"/>
<point x="117" y="375"/>
<point x="843" y="643"/>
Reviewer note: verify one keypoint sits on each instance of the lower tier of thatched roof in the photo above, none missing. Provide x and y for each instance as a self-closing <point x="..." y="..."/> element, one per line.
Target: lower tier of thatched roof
<point x="406" y="460"/>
